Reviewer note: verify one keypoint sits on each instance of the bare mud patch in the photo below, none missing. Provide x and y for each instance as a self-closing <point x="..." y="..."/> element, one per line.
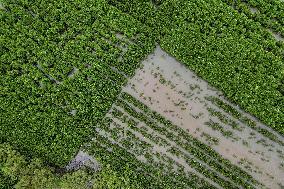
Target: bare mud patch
<point x="83" y="159"/>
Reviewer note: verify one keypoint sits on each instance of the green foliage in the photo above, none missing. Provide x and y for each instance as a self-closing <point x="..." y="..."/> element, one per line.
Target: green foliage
<point x="41" y="43"/>
<point x="6" y="182"/>
<point x="75" y="180"/>
<point x="25" y="174"/>
<point x="20" y="173"/>
<point x="110" y="179"/>
<point x="268" y="13"/>
<point x="35" y="176"/>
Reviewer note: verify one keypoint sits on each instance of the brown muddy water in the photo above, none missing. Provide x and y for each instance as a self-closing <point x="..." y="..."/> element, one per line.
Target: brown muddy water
<point x="169" y="88"/>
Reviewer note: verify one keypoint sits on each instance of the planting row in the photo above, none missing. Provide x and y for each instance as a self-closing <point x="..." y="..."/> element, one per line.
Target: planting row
<point x="199" y="150"/>
<point x="245" y="120"/>
<point x="142" y="174"/>
<point x="269" y="14"/>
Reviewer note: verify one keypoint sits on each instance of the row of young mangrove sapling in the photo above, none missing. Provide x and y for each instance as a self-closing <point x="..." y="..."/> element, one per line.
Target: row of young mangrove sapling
<point x="176" y="134"/>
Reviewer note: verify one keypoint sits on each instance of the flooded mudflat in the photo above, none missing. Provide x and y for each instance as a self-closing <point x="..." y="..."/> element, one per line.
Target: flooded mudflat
<point x="169" y="118"/>
<point x="167" y="87"/>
